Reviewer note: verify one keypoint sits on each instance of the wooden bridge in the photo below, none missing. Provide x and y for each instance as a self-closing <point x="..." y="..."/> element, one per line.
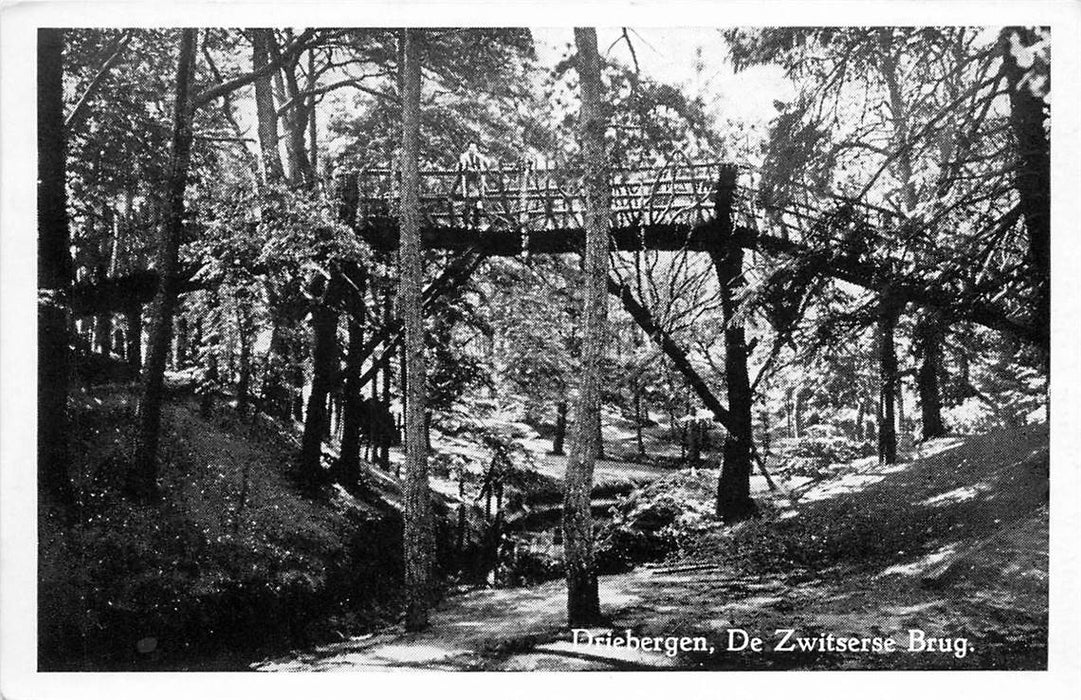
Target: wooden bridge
<point x="676" y="205"/>
<point x="506" y="210"/>
<point x="509" y="210"/>
<point x="685" y="205"/>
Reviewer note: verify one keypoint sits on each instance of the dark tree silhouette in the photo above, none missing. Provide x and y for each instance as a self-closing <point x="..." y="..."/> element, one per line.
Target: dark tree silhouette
<point x="265" y="109"/>
<point x="54" y="270"/>
<point x="1033" y="174"/>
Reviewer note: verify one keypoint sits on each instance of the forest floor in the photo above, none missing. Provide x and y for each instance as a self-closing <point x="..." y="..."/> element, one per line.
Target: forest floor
<point x="952" y="543"/>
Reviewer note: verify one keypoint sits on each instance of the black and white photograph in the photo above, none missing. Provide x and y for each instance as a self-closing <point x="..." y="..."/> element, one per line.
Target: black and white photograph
<point x="378" y="344"/>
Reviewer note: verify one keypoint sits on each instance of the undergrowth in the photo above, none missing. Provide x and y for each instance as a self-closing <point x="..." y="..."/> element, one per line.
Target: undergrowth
<point x="233" y="556"/>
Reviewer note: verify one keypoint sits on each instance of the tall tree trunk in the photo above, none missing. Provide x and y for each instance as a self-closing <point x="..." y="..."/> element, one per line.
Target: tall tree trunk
<point x="325" y="316"/>
<point x="419" y="536"/>
<point x="600" y="436"/>
<point x="902" y="432"/>
<point x="296" y="369"/>
<point x="887" y="369"/>
<point x="278" y="380"/>
<point x="384" y="447"/>
<point x="403" y="376"/>
<point x="313" y="142"/>
<point x="145" y="475"/>
<point x="245" y="330"/>
<point x="734" y="501"/>
<point x="928" y="334"/>
<point x="349" y="465"/>
<point x="134" y="336"/>
<point x="694" y="443"/>
<point x="266" y="112"/>
<point x="324" y="362"/>
<point x="561" y="428"/>
<point x="180" y="337"/>
<point x="55" y="271"/>
<point x="583" y="601"/>
<point x="930" y="325"/>
<point x="1033" y="178"/>
<point x="103" y="333"/>
<point x="209" y="385"/>
<point x="638" y="418"/>
<point x="295" y="118"/>
<point x="767" y="438"/>
<point x="371" y="449"/>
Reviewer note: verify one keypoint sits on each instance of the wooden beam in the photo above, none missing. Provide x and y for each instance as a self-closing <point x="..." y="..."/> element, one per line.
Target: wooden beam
<point x="509" y="241"/>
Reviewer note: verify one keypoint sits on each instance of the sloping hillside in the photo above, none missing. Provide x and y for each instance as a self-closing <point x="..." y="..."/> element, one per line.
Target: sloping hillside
<point x="954" y="544"/>
<point x="234" y="557"/>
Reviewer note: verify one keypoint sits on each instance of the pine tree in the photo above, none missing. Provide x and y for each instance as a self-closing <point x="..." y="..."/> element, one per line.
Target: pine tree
<point x="583" y="602"/>
<point x="419" y="540"/>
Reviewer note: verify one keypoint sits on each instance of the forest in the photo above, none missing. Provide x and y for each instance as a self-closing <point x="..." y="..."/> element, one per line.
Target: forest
<point x="435" y="347"/>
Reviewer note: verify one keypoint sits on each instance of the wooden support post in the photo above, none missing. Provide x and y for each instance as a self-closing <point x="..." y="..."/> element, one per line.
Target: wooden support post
<point x="734" y="501"/>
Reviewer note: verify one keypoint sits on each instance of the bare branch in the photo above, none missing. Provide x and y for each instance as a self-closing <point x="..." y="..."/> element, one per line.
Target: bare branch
<point x="221" y="89"/>
<point x="323" y="89"/>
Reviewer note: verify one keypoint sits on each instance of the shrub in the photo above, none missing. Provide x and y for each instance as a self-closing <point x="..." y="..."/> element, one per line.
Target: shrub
<point x="821" y="448"/>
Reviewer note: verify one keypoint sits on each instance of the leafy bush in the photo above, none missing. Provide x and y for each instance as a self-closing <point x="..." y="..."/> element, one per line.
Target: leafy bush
<point x="821" y="448"/>
<point x="529" y="567"/>
<point x="651" y="522"/>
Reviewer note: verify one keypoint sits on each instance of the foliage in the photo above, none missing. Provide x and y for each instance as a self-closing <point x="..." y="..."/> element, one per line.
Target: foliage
<point x="651" y="522"/>
<point x="267" y="255"/>
<point x="477" y="89"/>
<point x="993" y="384"/>
<point x="509" y="464"/>
<point x="533" y="316"/>
<point x="455" y="370"/>
<point x="815" y="452"/>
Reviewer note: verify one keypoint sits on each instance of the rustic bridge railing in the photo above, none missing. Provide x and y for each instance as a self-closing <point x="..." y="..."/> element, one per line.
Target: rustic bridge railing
<point x="670" y="206"/>
<point x="526" y="200"/>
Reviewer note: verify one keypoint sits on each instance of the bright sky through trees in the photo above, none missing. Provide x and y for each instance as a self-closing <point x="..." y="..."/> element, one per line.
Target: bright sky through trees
<point x="673" y="55"/>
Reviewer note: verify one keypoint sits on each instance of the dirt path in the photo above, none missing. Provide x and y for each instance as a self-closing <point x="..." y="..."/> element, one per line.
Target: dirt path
<point x="522" y="629"/>
<point x="511" y="629"/>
